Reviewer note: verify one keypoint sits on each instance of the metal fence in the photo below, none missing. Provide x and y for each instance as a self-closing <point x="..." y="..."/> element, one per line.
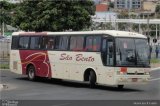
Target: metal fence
<point x="4" y="53"/>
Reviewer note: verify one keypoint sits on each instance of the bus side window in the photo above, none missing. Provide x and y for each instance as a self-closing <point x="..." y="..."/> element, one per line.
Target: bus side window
<point x="73" y="43"/>
<point x="76" y="43"/>
<point x="23" y="42"/>
<point x="93" y="43"/>
<point x="14" y="44"/>
<point x="96" y="43"/>
<point x="48" y="43"/>
<point x="62" y="42"/>
<point x="89" y="43"/>
<point x="35" y="43"/>
<point x="44" y="42"/>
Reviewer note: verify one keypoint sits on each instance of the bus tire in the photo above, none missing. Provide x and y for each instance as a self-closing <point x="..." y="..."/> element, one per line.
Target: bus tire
<point x="120" y="86"/>
<point x="92" y="79"/>
<point x="31" y="73"/>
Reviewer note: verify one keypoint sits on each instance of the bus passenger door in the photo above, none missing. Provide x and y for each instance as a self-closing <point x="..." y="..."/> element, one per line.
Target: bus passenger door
<point x="106" y="74"/>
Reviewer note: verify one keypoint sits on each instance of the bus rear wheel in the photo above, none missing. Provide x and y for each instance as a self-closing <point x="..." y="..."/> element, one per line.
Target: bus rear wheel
<point x="92" y="79"/>
<point x="120" y="86"/>
<point x="31" y="73"/>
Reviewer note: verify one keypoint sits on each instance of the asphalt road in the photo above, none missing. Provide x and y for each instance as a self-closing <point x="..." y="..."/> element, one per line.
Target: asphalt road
<point x="18" y="87"/>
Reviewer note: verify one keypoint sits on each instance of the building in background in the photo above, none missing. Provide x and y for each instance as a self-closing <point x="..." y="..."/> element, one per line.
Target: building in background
<point x="149" y="6"/>
<point x="103" y="7"/>
<point x="102" y="11"/>
<point x="127" y="4"/>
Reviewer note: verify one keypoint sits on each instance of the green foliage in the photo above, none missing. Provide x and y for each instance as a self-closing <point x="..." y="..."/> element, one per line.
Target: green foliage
<point x="4" y="66"/>
<point x="122" y="26"/>
<point x="158" y="9"/>
<point x="111" y="5"/>
<point x="123" y="15"/>
<point x="58" y="15"/>
<point x="155" y="61"/>
<point x="5" y="12"/>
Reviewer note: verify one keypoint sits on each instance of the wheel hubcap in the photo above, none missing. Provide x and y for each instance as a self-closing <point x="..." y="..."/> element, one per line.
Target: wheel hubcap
<point x="31" y="73"/>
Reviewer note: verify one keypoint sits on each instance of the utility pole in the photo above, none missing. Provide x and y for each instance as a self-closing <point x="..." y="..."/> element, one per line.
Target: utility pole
<point x="110" y="24"/>
<point x="115" y="23"/>
<point x="3" y="29"/>
<point x="105" y="19"/>
<point x="139" y="27"/>
<point x="159" y="31"/>
<point x="148" y="26"/>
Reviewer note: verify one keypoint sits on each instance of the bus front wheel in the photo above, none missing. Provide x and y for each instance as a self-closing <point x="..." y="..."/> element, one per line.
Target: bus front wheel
<point x="31" y="73"/>
<point x="92" y="79"/>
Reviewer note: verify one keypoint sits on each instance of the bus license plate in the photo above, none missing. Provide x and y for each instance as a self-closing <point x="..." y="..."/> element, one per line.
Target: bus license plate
<point x="134" y="79"/>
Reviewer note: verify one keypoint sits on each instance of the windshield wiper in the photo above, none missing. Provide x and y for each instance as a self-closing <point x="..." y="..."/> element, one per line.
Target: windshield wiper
<point x="131" y="59"/>
<point x="140" y="61"/>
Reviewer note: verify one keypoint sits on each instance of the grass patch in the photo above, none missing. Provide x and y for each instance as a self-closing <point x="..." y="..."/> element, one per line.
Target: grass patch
<point x="4" y="66"/>
<point x="155" y="60"/>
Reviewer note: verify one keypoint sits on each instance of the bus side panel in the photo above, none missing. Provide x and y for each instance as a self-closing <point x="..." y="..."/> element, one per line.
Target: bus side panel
<point x="37" y="58"/>
<point x="59" y="68"/>
<point x="106" y="75"/>
<point x="72" y="65"/>
<point x="15" y="62"/>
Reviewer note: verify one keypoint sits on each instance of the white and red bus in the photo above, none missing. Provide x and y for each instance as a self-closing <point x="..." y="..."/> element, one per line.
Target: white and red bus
<point x="100" y="57"/>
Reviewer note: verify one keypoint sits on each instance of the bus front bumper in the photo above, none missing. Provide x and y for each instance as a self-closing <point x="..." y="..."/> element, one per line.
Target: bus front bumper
<point x="132" y="79"/>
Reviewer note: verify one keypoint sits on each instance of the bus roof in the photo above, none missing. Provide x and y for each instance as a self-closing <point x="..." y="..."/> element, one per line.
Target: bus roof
<point x="113" y="33"/>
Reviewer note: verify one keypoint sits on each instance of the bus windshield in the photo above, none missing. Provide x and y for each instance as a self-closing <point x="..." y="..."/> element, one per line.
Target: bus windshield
<point x="132" y="52"/>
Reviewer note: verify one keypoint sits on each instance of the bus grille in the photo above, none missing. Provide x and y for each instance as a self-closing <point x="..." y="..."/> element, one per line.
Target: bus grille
<point x="135" y="73"/>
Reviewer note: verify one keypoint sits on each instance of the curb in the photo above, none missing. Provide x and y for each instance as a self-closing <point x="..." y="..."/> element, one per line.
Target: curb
<point x="4" y="69"/>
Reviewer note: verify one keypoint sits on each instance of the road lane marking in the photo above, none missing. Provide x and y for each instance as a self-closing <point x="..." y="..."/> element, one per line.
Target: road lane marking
<point x="154" y="79"/>
<point x="1" y="87"/>
<point x="155" y="69"/>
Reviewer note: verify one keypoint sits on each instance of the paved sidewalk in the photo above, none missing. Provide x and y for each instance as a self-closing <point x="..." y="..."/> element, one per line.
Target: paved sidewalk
<point x="155" y="65"/>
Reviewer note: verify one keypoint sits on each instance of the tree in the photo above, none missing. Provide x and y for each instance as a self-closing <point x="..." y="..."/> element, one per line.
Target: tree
<point x="111" y="5"/>
<point x="123" y="14"/>
<point x="58" y="15"/>
<point x="5" y="13"/>
<point x="158" y="9"/>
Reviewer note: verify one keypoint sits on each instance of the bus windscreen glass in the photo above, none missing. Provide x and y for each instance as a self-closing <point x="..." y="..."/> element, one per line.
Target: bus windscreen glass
<point x="132" y="52"/>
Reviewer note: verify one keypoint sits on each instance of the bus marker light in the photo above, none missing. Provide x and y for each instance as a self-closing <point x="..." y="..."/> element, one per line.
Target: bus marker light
<point x="123" y="69"/>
